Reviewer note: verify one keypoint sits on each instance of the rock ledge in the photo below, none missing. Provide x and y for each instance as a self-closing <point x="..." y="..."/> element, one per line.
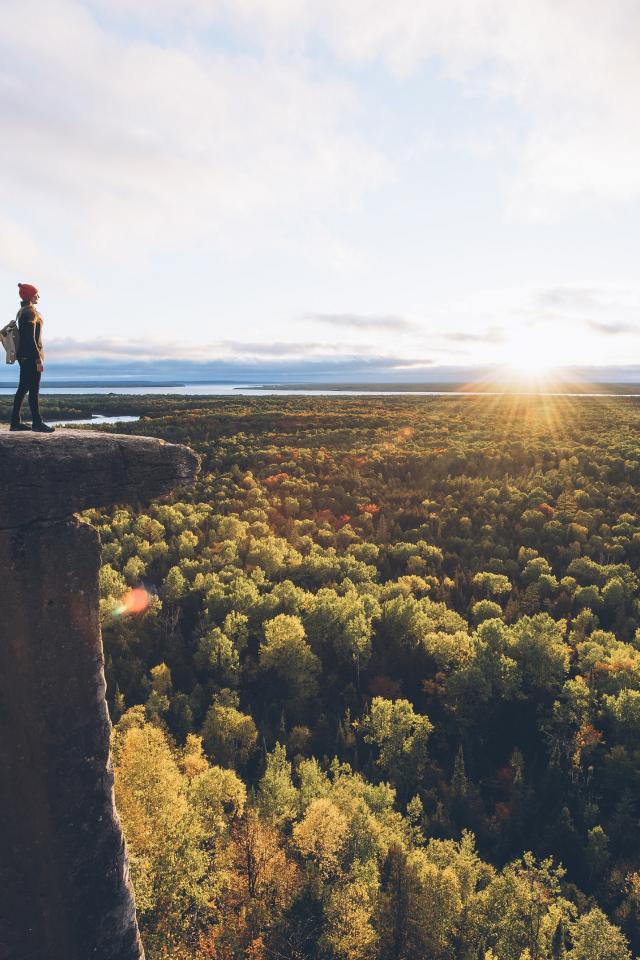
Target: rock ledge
<point x="65" y="892"/>
<point x="51" y="476"/>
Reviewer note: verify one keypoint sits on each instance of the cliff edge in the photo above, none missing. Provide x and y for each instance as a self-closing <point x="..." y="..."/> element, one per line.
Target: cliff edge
<point x="65" y="892"/>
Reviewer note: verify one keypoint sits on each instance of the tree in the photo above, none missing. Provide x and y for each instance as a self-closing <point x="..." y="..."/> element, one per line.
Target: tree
<point x="520" y="910"/>
<point x="350" y="931"/>
<point x="400" y="736"/>
<point x="421" y="907"/>
<point x="593" y="937"/>
<point x="537" y="645"/>
<point x="161" y="686"/>
<point x="491" y="584"/>
<point x="161" y="680"/>
<point x="287" y="654"/>
<point x="229" y="736"/>
<point x="624" y="711"/>
<point x="134" y="570"/>
<point x="321" y="835"/>
<point x="434" y="908"/>
<point x="277" y="796"/>
<point x="597" y="853"/>
<point x="343" y="624"/>
<point x="263" y="885"/>
<point x="216" y="654"/>
<point x="217" y="796"/>
<point x="169" y="863"/>
<point x="175" y="585"/>
<point x="485" y="610"/>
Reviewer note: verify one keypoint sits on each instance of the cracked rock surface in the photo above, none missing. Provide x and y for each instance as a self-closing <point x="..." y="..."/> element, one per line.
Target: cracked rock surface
<point x="51" y="476"/>
<point x="65" y="892"/>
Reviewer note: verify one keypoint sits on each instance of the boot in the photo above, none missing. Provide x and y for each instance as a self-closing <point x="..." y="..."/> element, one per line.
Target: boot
<point x="42" y="427"/>
<point x="16" y="422"/>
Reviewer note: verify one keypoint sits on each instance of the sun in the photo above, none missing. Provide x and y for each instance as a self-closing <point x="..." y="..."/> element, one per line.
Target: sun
<point x="530" y="358"/>
<point x="530" y="365"/>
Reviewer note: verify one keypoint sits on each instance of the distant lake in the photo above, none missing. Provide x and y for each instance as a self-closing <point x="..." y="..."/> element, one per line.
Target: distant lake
<point x="306" y="390"/>
<point x="220" y="390"/>
<point x="95" y="421"/>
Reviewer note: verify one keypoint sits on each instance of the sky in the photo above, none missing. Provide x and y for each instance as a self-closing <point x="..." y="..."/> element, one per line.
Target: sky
<point x="315" y="189"/>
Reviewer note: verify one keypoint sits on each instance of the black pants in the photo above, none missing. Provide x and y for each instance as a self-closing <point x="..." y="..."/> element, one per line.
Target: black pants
<point x="29" y="383"/>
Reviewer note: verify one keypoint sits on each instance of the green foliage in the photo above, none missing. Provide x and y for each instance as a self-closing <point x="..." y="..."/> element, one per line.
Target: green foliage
<point x="593" y="937"/>
<point x="361" y="579"/>
<point x="400" y="736"/>
<point x="485" y="610"/>
<point x="165" y="836"/>
<point x="229" y="735"/>
<point x="276" y="793"/>
<point x="286" y="653"/>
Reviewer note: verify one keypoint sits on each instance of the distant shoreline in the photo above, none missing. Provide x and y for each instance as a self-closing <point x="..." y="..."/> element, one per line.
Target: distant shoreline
<point x="630" y="389"/>
<point x="229" y="388"/>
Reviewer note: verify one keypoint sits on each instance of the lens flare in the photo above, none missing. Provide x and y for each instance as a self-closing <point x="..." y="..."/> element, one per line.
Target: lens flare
<point x="134" y="601"/>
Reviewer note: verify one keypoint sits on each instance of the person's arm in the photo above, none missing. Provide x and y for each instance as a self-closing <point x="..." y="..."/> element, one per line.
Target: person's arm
<point x="38" y="339"/>
<point x="27" y="328"/>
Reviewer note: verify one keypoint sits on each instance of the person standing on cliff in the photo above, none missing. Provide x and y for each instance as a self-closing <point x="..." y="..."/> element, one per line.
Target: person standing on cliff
<point x="31" y="359"/>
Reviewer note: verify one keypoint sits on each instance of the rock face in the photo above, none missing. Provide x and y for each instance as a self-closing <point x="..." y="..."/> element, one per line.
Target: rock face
<point x="53" y="476"/>
<point x="65" y="892"/>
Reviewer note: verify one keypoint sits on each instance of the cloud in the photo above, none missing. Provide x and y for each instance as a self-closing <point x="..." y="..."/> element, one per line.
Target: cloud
<point x="24" y="256"/>
<point x="492" y="335"/>
<point x="612" y="329"/>
<point x="610" y="311"/>
<point x="183" y="136"/>
<point x="155" y="134"/>
<point x="364" y="321"/>
<point x="253" y="369"/>
<point x="68" y="348"/>
<point x="127" y="139"/>
<point x="572" y="298"/>
<point x="304" y="349"/>
<point x="105" y="348"/>
<point x="571" y="69"/>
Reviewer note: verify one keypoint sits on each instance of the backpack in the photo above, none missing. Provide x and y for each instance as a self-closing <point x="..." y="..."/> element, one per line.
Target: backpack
<point x="10" y="340"/>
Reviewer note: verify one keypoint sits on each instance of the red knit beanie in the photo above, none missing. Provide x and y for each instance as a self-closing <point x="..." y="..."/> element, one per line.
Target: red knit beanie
<point x="27" y="291"/>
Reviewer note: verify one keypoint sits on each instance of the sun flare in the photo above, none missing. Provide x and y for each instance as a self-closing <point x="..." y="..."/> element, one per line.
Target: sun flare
<point x="530" y="357"/>
<point x="530" y="366"/>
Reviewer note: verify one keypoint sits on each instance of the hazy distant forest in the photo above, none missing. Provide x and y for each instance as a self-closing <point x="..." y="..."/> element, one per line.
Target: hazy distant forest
<point x="385" y="702"/>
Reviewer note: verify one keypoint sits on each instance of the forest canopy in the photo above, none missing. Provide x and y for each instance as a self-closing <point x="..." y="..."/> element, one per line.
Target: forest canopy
<point x="384" y="701"/>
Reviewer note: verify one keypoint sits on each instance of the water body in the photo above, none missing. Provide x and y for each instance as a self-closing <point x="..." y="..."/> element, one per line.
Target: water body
<point x="96" y="420"/>
<point x="257" y="390"/>
<point x="242" y="388"/>
<point x="229" y="390"/>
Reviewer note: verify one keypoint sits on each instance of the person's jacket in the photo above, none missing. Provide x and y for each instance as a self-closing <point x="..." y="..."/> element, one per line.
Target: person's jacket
<point x="30" y="329"/>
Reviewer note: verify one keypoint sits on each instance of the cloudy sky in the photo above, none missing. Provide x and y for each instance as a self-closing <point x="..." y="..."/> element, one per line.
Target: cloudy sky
<point x="319" y="187"/>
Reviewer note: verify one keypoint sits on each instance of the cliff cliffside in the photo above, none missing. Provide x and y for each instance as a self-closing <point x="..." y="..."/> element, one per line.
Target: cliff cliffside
<point x="65" y="892"/>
